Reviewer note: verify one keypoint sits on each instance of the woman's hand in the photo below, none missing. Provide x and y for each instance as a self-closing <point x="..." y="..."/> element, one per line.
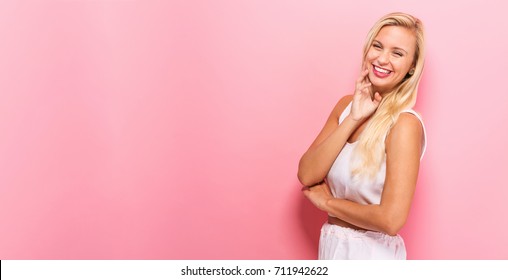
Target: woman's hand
<point x="318" y="195"/>
<point x="363" y="105"/>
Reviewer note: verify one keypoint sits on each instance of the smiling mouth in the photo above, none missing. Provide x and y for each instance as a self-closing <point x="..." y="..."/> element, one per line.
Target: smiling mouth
<point x="381" y="70"/>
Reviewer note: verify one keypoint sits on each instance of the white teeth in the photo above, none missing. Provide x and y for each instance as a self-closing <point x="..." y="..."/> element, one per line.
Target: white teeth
<point x="381" y="70"/>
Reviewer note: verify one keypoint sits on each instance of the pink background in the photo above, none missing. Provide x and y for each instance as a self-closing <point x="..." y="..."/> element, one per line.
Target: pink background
<point x="173" y="129"/>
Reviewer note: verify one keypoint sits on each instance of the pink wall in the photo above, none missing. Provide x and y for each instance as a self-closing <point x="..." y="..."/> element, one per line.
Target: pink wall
<point x="162" y="130"/>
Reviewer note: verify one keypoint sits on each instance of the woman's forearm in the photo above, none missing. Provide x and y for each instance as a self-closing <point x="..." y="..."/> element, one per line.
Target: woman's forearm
<point x="372" y="216"/>
<point x="317" y="161"/>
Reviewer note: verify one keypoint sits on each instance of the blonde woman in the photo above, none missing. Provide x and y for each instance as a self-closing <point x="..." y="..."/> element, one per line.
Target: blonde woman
<point x="363" y="166"/>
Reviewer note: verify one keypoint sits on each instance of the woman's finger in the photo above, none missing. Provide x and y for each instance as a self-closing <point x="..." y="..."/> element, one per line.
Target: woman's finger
<point x="361" y="79"/>
<point x="377" y="98"/>
<point x="306" y="193"/>
<point x="365" y="86"/>
<point x="305" y="188"/>
<point x="364" y="74"/>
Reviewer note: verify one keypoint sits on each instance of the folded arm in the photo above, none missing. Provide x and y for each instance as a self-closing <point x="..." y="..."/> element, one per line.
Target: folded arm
<point x="403" y="148"/>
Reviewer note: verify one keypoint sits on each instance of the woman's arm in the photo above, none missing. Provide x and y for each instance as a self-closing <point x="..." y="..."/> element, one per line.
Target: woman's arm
<point x="317" y="161"/>
<point x="403" y="148"/>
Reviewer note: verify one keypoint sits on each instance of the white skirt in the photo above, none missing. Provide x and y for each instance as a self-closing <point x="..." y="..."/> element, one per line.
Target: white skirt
<point x="340" y="243"/>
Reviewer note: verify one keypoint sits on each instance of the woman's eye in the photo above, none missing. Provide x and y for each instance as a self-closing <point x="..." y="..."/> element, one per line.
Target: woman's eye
<point x="377" y="46"/>
<point x="398" y="54"/>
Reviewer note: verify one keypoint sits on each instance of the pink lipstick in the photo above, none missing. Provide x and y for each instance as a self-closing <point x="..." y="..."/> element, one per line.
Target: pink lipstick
<point x="380" y="72"/>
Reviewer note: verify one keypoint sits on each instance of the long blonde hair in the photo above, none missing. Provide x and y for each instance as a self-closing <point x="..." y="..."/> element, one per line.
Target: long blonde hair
<point x="370" y="150"/>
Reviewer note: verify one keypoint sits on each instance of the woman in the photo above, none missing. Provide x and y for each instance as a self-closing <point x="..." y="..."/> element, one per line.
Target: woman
<point x="363" y="166"/>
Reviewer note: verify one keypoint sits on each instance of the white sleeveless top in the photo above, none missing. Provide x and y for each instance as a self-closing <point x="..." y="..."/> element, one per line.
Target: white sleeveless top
<point x="366" y="191"/>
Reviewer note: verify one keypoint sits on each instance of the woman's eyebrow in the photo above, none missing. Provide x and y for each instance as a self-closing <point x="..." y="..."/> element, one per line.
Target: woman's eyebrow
<point x="395" y="48"/>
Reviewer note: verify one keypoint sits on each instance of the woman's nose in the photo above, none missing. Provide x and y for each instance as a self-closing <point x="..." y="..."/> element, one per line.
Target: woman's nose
<point x="383" y="58"/>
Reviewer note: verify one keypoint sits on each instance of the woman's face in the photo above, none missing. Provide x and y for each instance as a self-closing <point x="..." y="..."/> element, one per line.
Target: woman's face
<point x="390" y="57"/>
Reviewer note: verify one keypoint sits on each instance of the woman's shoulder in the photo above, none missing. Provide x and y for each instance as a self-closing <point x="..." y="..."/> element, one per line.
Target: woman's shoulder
<point x="411" y="111"/>
<point x="345" y="100"/>
<point x="408" y="128"/>
<point x="342" y="105"/>
<point x="410" y="119"/>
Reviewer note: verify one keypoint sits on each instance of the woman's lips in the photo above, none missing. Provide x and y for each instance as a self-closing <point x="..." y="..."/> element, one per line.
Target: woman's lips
<point x="380" y="72"/>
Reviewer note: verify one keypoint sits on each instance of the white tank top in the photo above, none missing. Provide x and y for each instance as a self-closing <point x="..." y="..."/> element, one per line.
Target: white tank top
<point x="363" y="191"/>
